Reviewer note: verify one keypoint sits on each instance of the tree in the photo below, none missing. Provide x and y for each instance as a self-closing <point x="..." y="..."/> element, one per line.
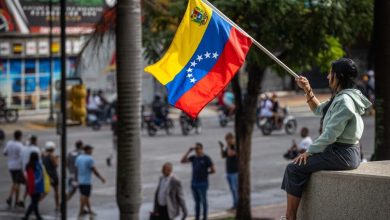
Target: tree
<point x="382" y="79"/>
<point x="129" y="70"/>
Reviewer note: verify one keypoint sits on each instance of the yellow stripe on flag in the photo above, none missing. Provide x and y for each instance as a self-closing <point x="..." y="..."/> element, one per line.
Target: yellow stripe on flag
<point x="46" y="181"/>
<point x="187" y="39"/>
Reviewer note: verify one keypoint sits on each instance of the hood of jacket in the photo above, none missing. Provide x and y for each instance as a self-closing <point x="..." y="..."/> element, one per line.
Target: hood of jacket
<point x="361" y="102"/>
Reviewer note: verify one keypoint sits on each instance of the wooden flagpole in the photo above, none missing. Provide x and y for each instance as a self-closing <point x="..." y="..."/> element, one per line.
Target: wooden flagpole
<point x="255" y="42"/>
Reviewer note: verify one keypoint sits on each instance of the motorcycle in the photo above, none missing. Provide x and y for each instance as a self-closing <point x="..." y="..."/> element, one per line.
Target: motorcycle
<point x="10" y="115"/>
<point x="287" y="121"/>
<point x="93" y="121"/>
<point x="153" y="124"/>
<point x="223" y="116"/>
<point x="187" y="124"/>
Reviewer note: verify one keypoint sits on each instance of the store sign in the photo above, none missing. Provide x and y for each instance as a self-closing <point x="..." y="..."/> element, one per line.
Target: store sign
<point x="55" y="47"/>
<point x="68" y="47"/>
<point x="5" y="49"/>
<point x="33" y="16"/>
<point x="17" y="48"/>
<point x="43" y="47"/>
<point x="31" y="48"/>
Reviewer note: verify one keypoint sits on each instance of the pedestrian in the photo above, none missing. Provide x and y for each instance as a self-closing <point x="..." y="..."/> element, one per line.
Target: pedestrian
<point x="30" y="147"/>
<point x="37" y="184"/>
<point x="71" y="165"/>
<point x="229" y="153"/>
<point x="202" y="166"/>
<point x="50" y="161"/>
<point x="13" y="152"/>
<point x="301" y="147"/>
<point x="337" y="148"/>
<point x="169" y="196"/>
<point x="85" y="165"/>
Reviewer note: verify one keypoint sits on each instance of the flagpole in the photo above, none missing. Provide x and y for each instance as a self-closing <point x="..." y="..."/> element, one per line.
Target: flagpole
<point x="255" y="42"/>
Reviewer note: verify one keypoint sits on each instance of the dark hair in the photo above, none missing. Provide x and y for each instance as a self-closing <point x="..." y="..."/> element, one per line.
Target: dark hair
<point x="34" y="158"/>
<point x="18" y="135"/>
<point x="346" y="72"/>
<point x="198" y="144"/>
<point x="79" y="144"/>
<point x="33" y="139"/>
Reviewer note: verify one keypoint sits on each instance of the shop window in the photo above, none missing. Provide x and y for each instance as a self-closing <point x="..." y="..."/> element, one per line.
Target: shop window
<point x="29" y="66"/>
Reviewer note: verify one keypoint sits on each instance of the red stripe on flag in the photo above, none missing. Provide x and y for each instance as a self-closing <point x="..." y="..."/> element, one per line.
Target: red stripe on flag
<point x="210" y="86"/>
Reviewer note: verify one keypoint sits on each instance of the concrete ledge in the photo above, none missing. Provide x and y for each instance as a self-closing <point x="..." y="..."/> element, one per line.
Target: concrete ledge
<point x="358" y="194"/>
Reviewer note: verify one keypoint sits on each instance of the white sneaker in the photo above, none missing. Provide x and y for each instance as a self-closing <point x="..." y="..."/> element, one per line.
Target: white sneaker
<point x="283" y="218"/>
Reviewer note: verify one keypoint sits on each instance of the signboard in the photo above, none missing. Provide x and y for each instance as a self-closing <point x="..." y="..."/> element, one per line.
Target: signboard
<point x="5" y="49"/>
<point x="31" y="48"/>
<point x="33" y="16"/>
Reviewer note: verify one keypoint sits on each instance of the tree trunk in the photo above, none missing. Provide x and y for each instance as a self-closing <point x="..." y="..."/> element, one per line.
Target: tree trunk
<point x="382" y="79"/>
<point x="129" y="70"/>
<point x="245" y="119"/>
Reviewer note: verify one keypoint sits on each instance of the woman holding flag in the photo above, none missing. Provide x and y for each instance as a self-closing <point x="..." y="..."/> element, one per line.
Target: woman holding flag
<point x="37" y="184"/>
<point x="337" y="148"/>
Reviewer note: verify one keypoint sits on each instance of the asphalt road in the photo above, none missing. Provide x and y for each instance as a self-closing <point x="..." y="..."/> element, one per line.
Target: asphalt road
<point x="266" y="174"/>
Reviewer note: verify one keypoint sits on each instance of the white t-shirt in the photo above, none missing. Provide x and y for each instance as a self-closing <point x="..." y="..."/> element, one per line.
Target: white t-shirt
<point x="305" y="143"/>
<point x="266" y="108"/>
<point x="26" y="153"/>
<point x="92" y="105"/>
<point x="13" y="151"/>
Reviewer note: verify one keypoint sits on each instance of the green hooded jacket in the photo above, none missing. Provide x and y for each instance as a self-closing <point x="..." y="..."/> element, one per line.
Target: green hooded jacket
<point x="343" y="122"/>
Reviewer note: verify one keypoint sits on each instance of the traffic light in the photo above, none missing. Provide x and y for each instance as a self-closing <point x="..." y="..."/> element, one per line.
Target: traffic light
<point x="77" y="98"/>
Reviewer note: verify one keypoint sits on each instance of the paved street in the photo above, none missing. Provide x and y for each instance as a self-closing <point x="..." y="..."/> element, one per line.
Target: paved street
<point x="267" y="165"/>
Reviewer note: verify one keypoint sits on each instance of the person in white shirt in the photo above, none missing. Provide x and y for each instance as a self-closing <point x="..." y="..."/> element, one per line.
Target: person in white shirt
<point x="13" y="152"/>
<point x="29" y="149"/>
<point x="301" y="147"/>
<point x="265" y="106"/>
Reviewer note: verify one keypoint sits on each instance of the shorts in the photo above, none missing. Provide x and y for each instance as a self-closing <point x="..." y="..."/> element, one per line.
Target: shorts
<point x="54" y="181"/>
<point x="85" y="190"/>
<point x="17" y="176"/>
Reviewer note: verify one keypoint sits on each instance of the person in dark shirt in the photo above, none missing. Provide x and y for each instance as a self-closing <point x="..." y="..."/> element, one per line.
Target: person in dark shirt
<point x="202" y="166"/>
<point x="230" y="154"/>
<point x="275" y="110"/>
<point x="50" y="162"/>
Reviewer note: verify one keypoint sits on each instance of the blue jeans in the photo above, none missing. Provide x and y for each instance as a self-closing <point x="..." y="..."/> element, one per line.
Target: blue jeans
<point x="199" y="191"/>
<point x="232" y="179"/>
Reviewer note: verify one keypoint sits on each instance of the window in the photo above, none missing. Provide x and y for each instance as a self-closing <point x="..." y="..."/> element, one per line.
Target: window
<point x="29" y="66"/>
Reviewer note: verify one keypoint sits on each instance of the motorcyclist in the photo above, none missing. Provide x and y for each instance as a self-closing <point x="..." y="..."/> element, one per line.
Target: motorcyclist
<point x="228" y="101"/>
<point x="265" y="106"/>
<point x="275" y="110"/>
<point x="160" y="111"/>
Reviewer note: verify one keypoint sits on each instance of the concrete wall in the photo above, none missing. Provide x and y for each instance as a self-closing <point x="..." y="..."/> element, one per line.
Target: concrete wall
<point x="361" y="194"/>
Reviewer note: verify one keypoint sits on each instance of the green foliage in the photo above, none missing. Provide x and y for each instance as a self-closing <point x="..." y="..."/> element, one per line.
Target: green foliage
<point x="302" y="33"/>
<point x="332" y="52"/>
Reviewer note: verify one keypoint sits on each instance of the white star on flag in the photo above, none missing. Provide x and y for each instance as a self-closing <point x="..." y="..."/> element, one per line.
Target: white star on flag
<point x="215" y="55"/>
<point x="207" y="54"/>
<point x="199" y="58"/>
<point x="193" y="80"/>
<point x="189" y="75"/>
<point x="189" y="70"/>
<point x="193" y="63"/>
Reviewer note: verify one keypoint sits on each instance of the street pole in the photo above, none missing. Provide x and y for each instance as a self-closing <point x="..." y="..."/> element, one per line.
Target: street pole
<point x="63" y="110"/>
<point x="51" y="118"/>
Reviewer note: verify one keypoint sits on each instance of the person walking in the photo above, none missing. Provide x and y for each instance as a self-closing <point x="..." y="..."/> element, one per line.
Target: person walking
<point x="337" y="148"/>
<point x="169" y="196"/>
<point x="13" y="152"/>
<point x="85" y="165"/>
<point x="202" y="166"/>
<point x="50" y="161"/>
<point x="229" y="153"/>
<point x="71" y="165"/>
<point x="35" y="185"/>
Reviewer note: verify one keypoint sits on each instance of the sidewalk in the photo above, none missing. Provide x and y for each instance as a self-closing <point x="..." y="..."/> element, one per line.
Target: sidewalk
<point x="267" y="212"/>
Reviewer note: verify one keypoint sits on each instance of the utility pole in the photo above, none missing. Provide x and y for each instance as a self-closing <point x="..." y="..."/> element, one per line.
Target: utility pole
<point x="63" y="109"/>
<point x="51" y="118"/>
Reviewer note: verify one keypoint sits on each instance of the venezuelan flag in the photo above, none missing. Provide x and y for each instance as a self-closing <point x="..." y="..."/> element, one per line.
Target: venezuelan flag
<point x="38" y="180"/>
<point x="205" y="54"/>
